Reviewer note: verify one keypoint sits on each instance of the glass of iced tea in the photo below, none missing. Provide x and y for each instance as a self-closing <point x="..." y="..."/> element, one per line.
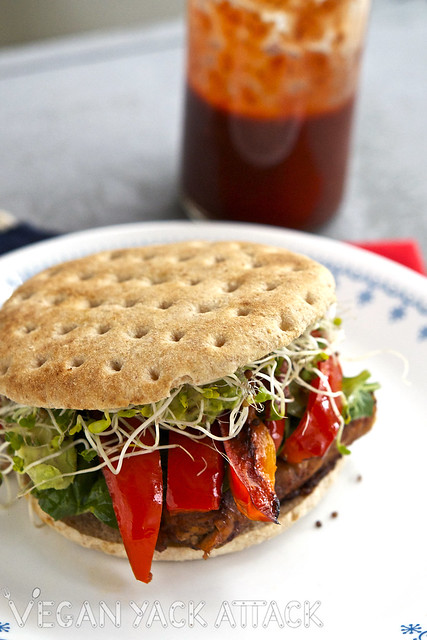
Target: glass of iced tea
<point x="270" y="95"/>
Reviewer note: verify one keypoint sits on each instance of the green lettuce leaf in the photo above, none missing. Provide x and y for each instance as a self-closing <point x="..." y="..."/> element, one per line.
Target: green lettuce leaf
<point x="88" y="493"/>
<point x="37" y="446"/>
<point x="359" y="394"/>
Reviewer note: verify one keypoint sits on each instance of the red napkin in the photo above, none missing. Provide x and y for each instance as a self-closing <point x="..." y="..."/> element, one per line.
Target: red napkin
<point x="406" y="252"/>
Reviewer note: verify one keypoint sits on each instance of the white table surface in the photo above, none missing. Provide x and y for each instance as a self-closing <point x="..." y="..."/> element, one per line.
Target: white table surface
<point x="90" y="129"/>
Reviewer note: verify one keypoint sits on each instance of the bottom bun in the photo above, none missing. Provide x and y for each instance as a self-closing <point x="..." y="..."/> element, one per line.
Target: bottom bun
<point x="290" y="512"/>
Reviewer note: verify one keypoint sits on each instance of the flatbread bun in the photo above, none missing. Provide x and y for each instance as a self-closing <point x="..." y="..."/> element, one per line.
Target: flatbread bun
<point x="122" y="328"/>
<point x="290" y="512"/>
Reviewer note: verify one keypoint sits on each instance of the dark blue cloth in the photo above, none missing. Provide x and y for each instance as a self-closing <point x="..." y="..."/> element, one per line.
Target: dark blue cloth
<point x="21" y="235"/>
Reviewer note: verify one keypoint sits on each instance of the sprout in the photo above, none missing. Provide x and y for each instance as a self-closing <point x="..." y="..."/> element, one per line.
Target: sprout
<point x="190" y="409"/>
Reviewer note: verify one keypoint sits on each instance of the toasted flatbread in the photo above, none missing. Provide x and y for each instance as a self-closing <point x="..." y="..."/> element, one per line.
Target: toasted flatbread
<point x="122" y="328"/>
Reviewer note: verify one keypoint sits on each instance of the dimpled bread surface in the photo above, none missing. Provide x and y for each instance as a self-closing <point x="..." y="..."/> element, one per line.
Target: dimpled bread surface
<point x="126" y="327"/>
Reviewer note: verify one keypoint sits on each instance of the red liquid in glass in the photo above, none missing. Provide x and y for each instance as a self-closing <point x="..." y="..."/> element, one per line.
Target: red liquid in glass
<point x="287" y="172"/>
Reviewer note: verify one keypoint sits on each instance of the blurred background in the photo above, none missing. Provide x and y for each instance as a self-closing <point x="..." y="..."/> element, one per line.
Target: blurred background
<point x="92" y="98"/>
<point x="30" y="20"/>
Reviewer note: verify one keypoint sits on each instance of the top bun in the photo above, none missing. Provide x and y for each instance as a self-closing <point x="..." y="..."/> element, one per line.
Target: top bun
<point x="122" y="328"/>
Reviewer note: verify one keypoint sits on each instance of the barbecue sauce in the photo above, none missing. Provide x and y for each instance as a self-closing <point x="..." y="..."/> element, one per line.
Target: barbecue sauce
<point x="269" y="102"/>
<point x="271" y="170"/>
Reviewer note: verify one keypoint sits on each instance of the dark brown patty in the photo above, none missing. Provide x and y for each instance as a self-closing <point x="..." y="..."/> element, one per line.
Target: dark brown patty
<point x="213" y="529"/>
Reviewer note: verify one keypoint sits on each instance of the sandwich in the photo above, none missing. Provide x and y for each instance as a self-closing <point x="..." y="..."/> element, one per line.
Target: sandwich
<point x="176" y="401"/>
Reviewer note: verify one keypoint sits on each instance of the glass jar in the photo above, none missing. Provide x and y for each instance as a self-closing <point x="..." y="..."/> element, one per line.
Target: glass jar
<point x="270" y="95"/>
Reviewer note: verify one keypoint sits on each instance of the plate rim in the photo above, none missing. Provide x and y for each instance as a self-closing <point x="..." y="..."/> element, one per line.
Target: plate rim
<point x="150" y="226"/>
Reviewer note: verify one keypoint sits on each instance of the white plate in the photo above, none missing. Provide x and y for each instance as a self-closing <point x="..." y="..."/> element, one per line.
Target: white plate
<point x="362" y="574"/>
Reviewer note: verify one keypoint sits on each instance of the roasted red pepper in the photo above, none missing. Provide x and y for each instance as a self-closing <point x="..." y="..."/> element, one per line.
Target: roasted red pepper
<point x="276" y="428"/>
<point x="319" y="425"/>
<point x="137" y="493"/>
<point x="252" y="458"/>
<point x="194" y="481"/>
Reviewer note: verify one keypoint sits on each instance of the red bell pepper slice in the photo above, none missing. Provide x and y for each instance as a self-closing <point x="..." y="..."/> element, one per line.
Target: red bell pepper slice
<point x="137" y="494"/>
<point x="194" y="481"/>
<point x="252" y="457"/>
<point x="319" y="425"/>
<point x="276" y="428"/>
